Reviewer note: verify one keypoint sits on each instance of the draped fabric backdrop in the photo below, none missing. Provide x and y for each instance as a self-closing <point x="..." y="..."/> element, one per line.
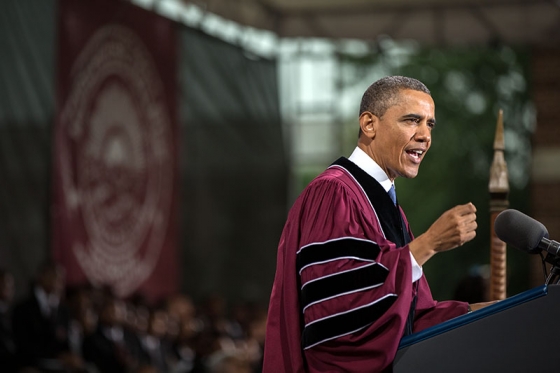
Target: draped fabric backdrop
<point x="160" y="163"/>
<point x="233" y="166"/>
<point x="115" y="155"/>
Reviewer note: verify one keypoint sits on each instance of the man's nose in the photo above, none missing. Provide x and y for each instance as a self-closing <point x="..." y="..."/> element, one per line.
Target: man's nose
<point x="423" y="133"/>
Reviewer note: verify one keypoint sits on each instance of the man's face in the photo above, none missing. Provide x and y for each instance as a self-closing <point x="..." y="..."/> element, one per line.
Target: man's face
<point x="403" y="134"/>
<point x="53" y="280"/>
<point x="6" y="288"/>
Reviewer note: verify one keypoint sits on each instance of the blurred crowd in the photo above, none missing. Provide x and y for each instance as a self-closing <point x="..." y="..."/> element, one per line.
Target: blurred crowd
<point x="87" y="329"/>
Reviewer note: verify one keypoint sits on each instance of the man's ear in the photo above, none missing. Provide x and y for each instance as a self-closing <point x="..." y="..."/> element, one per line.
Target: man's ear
<point x="368" y="124"/>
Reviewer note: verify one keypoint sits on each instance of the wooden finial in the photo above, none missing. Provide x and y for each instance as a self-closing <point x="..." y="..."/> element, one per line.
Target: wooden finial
<point x="498" y="188"/>
<point x="498" y="171"/>
<point x="499" y="143"/>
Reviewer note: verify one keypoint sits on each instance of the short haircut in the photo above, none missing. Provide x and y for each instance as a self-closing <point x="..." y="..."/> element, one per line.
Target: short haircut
<point x="383" y="94"/>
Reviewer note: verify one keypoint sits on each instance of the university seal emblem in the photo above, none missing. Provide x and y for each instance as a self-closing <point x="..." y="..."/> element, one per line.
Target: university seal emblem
<point x="116" y="160"/>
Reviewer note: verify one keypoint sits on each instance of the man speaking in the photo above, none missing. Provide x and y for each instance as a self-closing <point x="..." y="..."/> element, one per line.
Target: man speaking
<point x="349" y="282"/>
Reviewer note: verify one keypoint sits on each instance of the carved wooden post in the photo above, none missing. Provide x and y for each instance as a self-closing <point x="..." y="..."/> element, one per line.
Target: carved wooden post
<point x="499" y="189"/>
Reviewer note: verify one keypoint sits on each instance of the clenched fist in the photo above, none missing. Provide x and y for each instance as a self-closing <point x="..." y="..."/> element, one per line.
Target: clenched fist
<point x="453" y="228"/>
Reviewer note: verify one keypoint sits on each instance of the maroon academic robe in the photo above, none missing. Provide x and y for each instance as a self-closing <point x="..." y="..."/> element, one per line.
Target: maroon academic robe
<point x="343" y="290"/>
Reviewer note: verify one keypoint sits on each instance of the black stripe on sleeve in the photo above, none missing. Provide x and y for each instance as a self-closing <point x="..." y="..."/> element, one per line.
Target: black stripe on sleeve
<point x="345" y="323"/>
<point x="334" y="249"/>
<point x="341" y="283"/>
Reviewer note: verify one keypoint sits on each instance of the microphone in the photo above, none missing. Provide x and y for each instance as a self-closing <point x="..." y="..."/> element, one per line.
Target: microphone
<point x="524" y="233"/>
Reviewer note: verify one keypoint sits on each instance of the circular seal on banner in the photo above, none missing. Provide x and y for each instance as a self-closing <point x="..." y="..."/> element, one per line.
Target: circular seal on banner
<point x="117" y="161"/>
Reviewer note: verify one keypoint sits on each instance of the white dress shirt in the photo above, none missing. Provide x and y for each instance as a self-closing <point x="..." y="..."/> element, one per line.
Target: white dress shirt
<point x="366" y="163"/>
<point x="47" y="302"/>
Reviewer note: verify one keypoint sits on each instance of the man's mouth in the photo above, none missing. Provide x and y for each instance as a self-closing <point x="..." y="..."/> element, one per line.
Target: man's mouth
<point x="415" y="153"/>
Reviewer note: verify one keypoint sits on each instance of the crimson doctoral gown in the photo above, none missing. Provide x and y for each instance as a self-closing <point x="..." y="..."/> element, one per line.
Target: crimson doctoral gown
<point x="343" y="287"/>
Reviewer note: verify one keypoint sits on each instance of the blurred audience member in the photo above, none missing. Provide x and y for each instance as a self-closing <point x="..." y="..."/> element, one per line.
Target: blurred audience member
<point x="154" y="343"/>
<point x="183" y="357"/>
<point x="83" y="318"/>
<point x="214" y="317"/>
<point x="7" y="344"/>
<point x="228" y="363"/>
<point x="255" y="340"/>
<point x="112" y="348"/>
<point x="182" y="315"/>
<point x="181" y="307"/>
<point x="137" y="314"/>
<point x="41" y="323"/>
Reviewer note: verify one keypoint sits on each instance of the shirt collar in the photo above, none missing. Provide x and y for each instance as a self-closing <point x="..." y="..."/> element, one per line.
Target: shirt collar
<point x="366" y="163"/>
<point x="113" y="333"/>
<point x="43" y="300"/>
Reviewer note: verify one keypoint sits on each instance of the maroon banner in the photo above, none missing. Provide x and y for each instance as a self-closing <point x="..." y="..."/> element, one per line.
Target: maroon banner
<point x="115" y="155"/>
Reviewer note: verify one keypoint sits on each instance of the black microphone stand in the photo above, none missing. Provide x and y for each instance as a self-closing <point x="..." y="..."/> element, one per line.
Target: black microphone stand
<point x="554" y="275"/>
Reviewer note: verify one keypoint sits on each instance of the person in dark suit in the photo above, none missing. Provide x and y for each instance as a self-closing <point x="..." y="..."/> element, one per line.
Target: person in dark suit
<point x="154" y="343"/>
<point x="7" y="344"/>
<point x="40" y="324"/>
<point x="113" y="348"/>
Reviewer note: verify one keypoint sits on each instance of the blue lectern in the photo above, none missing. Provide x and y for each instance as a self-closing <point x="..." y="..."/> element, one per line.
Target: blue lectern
<point x="518" y="334"/>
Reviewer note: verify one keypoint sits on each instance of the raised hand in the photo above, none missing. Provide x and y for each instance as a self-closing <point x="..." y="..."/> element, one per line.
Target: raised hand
<point x="452" y="229"/>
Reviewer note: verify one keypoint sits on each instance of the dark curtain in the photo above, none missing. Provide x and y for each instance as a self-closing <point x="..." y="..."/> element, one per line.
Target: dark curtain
<point x="26" y="118"/>
<point x="233" y="167"/>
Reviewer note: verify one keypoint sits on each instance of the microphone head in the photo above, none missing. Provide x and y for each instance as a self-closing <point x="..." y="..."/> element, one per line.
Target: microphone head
<point x="520" y="231"/>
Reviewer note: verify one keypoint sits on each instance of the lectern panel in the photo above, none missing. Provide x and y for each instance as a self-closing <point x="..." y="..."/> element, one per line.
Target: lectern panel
<point x="519" y="334"/>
